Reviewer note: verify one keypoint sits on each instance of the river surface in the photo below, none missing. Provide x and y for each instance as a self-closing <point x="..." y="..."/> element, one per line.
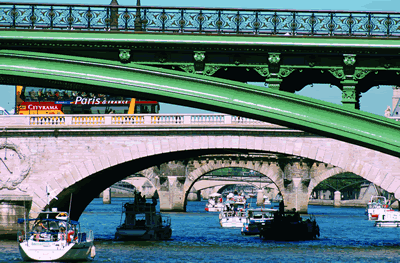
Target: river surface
<point x="346" y="236"/>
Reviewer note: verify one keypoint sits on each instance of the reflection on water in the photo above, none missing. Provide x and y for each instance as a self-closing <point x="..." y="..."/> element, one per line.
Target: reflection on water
<point x="346" y="235"/>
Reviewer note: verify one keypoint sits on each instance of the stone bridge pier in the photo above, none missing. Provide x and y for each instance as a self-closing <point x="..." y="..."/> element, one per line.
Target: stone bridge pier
<point x="170" y="180"/>
<point x="297" y="176"/>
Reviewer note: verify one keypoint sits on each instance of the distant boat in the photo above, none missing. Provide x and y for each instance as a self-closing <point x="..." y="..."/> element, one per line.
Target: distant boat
<point x="266" y="200"/>
<point x="234" y="213"/>
<point x="214" y="203"/>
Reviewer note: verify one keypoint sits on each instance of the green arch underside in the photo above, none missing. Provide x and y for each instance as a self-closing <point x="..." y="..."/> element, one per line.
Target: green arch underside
<point x="315" y="116"/>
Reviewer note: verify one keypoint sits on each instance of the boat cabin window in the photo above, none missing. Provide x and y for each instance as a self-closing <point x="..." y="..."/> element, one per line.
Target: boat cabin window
<point x="257" y="215"/>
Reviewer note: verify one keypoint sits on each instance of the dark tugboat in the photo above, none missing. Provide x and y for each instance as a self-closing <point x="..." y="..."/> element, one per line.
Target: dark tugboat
<point x="289" y="226"/>
<point x="142" y="222"/>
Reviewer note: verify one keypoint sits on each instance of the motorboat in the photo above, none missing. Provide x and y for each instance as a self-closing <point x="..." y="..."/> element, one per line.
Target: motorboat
<point x="234" y="212"/>
<point x="140" y="221"/>
<point x="388" y="218"/>
<point x="289" y="226"/>
<point x="252" y="195"/>
<point x="215" y="203"/>
<point x="232" y="218"/>
<point x="254" y="218"/>
<point x="376" y="206"/>
<point x="266" y="200"/>
<point x="235" y="200"/>
<point x="54" y="237"/>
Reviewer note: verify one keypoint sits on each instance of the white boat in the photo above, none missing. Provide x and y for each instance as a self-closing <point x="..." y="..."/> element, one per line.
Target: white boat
<point x="376" y="206"/>
<point x="54" y="237"/>
<point x="142" y="222"/>
<point x="232" y="218"/>
<point x="234" y="213"/>
<point x="388" y="218"/>
<point x="214" y="203"/>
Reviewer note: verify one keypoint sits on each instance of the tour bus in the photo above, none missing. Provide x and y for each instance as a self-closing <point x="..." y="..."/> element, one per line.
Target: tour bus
<point x="32" y="100"/>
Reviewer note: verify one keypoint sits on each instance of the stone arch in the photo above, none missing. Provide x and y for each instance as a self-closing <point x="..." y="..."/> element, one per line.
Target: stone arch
<point x="270" y="171"/>
<point x="371" y="165"/>
<point x="323" y="176"/>
<point x="229" y="183"/>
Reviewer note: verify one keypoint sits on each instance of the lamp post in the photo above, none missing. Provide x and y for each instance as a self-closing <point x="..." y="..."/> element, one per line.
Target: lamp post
<point x="114" y="15"/>
<point x="138" y="19"/>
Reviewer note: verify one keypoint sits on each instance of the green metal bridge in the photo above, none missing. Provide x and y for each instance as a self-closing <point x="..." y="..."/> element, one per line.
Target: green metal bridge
<point x="202" y="58"/>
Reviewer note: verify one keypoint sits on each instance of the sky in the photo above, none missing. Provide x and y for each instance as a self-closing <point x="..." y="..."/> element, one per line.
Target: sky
<point x="374" y="101"/>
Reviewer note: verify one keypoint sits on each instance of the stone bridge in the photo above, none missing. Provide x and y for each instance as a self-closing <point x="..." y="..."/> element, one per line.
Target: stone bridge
<point x="78" y="160"/>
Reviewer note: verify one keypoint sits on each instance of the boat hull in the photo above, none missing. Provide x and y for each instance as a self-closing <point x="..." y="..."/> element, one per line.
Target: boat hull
<point x="55" y="251"/>
<point x="388" y="218"/>
<point x="144" y="234"/>
<point x="232" y="222"/>
<point x="253" y="227"/>
<point x="213" y="209"/>
<point x="289" y="231"/>
<point x="250" y="230"/>
<point x="387" y="224"/>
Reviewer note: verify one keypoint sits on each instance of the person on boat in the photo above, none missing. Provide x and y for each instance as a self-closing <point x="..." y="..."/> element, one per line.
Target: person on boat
<point x="62" y="235"/>
<point x="154" y="199"/>
<point x="39" y="228"/>
<point x="281" y="207"/>
<point x="235" y="210"/>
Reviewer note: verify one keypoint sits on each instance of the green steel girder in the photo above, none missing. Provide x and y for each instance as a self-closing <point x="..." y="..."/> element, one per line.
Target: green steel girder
<point x="315" y="116"/>
<point x="230" y="57"/>
<point x="61" y="41"/>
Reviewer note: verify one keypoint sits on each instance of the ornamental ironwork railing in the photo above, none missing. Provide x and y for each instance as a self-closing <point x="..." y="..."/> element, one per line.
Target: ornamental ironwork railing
<point x="199" y="20"/>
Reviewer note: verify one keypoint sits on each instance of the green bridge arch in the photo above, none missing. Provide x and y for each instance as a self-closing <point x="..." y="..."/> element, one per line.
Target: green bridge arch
<point x="283" y="108"/>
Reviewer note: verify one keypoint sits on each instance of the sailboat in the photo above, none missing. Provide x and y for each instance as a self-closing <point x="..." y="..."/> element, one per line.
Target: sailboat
<point x="54" y="237"/>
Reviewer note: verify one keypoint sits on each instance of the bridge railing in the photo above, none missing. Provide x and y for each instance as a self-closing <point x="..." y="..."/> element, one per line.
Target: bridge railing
<point x="198" y="20"/>
<point x="127" y="120"/>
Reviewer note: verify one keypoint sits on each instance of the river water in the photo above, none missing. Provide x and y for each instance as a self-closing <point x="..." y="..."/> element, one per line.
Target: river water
<point x="346" y="236"/>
